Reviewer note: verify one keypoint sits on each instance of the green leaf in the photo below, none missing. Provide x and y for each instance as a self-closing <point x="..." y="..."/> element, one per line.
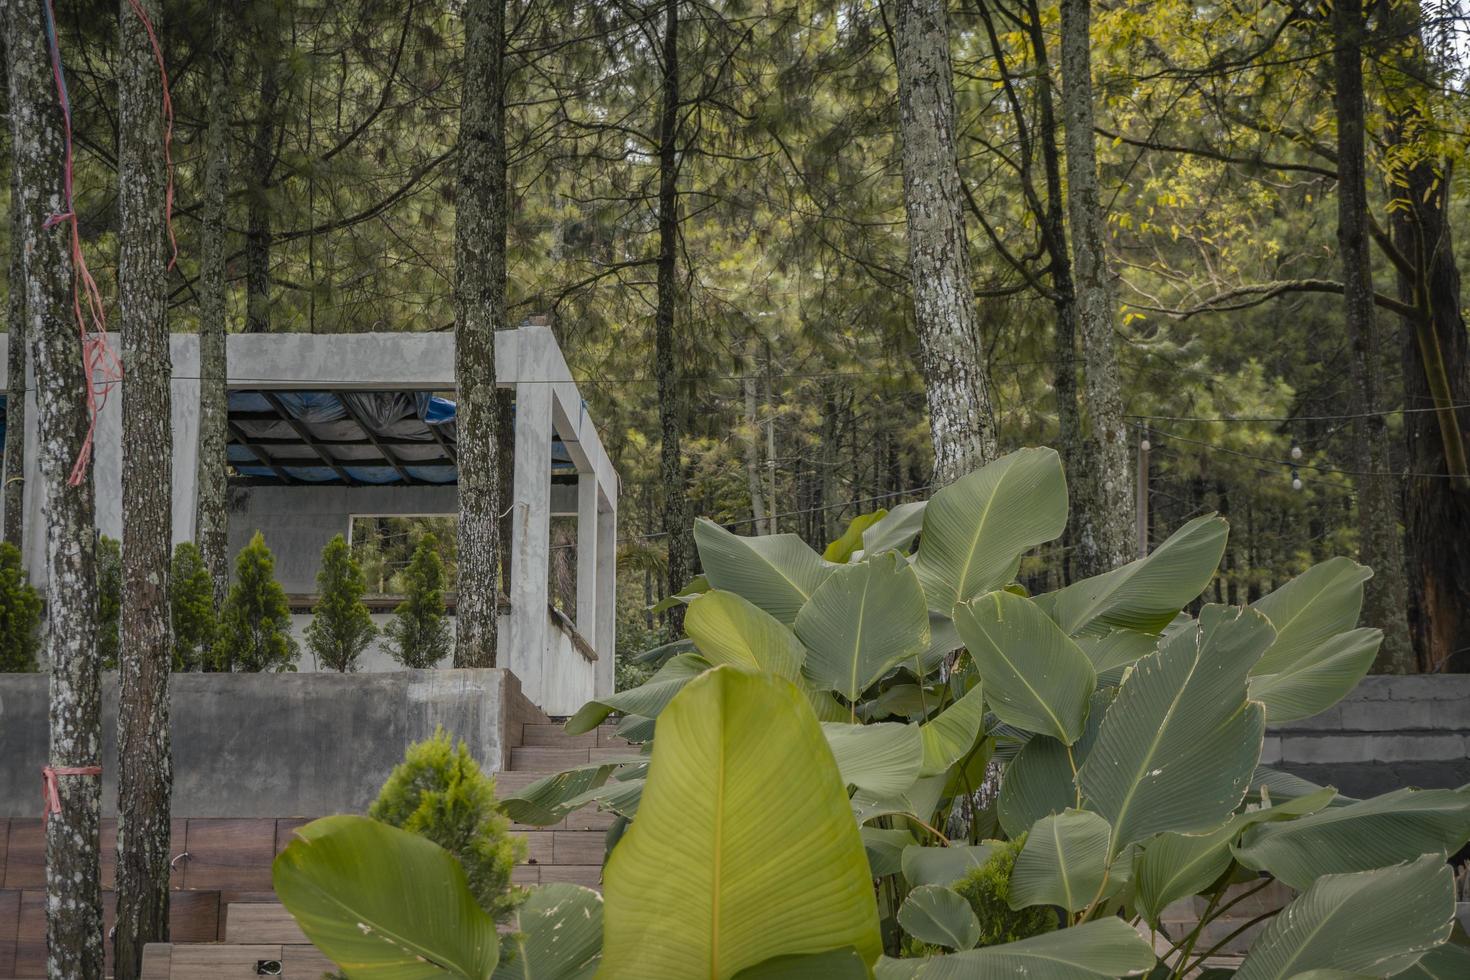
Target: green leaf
<point x="885" y="849"/>
<point x="942" y="865"/>
<point x="710" y="879"/>
<point x="953" y="732"/>
<point x="883" y="759"/>
<point x="1179" y="745"/>
<point x="1446" y="962"/>
<point x="1116" y="650"/>
<point x="841" y="550"/>
<point x="837" y="964"/>
<point x="687" y="594"/>
<point x="976" y="529"/>
<point x="888" y="968"/>
<point x="1311" y="609"/>
<point x="897" y="530"/>
<point x="1144" y="595"/>
<point x="1317" y="679"/>
<point x="729" y="630"/>
<point x="621" y="796"/>
<point x="939" y="916"/>
<point x="861" y="622"/>
<point x="1375" y="833"/>
<point x="384" y="904"/>
<point x="549" y="800"/>
<point x="1035" y="677"/>
<point x="558" y="935"/>
<point x="776" y="572"/>
<point x="1040" y="781"/>
<point x="646" y="700"/>
<point x="919" y="801"/>
<point x="1063" y="862"/>
<point x="1372" y="923"/>
<point x="1105" y="948"/>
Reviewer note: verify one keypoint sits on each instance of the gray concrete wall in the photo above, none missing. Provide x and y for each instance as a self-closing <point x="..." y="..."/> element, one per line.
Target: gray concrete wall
<point x="1389" y="732"/>
<point x="256" y="745"/>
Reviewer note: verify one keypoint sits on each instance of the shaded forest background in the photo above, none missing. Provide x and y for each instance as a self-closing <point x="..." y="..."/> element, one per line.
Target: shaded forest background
<point x="801" y="405"/>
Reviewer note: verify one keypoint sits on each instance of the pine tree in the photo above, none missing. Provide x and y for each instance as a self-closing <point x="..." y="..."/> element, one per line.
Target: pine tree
<point x="341" y="628"/>
<point x="418" y="635"/>
<point x="255" y="625"/>
<point x="20" y="615"/>
<point x="191" y="603"/>
<point x="109" y="600"/>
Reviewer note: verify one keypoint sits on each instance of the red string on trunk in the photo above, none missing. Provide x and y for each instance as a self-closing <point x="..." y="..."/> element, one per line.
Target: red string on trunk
<point x="51" y="792"/>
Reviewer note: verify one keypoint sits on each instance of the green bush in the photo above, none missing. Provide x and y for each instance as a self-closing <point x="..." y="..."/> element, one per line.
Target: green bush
<point x="20" y="615"/>
<point x="988" y="890"/>
<point x="418" y="635"/>
<point x="439" y="793"/>
<point x="109" y="600"/>
<point x="191" y="606"/>
<point x="341" y="627"/>
<point x="255" y="624"/>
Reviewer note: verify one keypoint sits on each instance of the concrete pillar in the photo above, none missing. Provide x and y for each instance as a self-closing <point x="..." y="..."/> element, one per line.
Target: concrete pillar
<point x="605" y="633"/>
<point x="530" y="541"/>
<point x="587" y="553"/>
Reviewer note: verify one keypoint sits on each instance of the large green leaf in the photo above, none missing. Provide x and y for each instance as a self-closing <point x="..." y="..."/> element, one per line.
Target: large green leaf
<point x="1372" y="923"/>
<point x="897" y="530"/>
<point x="1105" y="948"/>
<point x="1040" y="780"/>
<point x="776" y="572"/>
<point x="939" y="916"/>
<point x="942" y="865"/>
<point x="558" y="935"/>
<point x="1319" y="678"/>
<point x="1115" y="651"/>
<point x="1375" y="833"/>
<point x="862" y="621"/>
<point x="953" y="732"/>
<point x="549" y="800"/>
<point x="835" y="964"/>
<point x="883" y="759"/>
<point x="729" y="630"/>
<point x="885" y="849"/>
<point x="1064" y="862"/>
<point x="851" y="542"/>
<point x="920" y="800"/>
<point x="646" y="700"/>
<point x="1179" y="745"/>
<point x="744" y="848"/>
<point x="976" y="529"/>
<point x="1446" y="962"/>
<point x="384" y="904"/>
<point x="1035" y="677"/>
<point x="1318" y="604"/>
<point x="1146" y="594"/>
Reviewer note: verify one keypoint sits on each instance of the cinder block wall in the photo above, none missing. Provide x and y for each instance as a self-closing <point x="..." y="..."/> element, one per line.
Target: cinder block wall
<point x="1388" y="733"/>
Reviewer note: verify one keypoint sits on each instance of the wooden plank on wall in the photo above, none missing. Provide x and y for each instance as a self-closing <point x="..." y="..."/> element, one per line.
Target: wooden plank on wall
<point x="9" y="925"/>
<point x="25" y="857"/>
<point x="230" y="854"/>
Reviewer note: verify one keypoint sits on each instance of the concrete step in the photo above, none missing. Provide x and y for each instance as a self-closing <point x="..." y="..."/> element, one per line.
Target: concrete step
<point x="553" y="736"/>
<point x="589" y="875"/>
<point x="543" y="759"/>
<point x="228" y="961"/>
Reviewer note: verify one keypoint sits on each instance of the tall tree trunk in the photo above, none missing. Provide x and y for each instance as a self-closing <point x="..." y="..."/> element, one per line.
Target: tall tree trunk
<point x="479" y="299"/>
<point x="258" y="232"/>
<point x="73" y="888"/>
<point x="1379" y="543"/>
<point x="951" y="359"/>
<point x="211" y="519"/>
<point x="1109" y="490"/>
<point x="673" y="410"/>
<point x="13" y="472"/>
<point x="145" y="658"/>
<point x="1436" y="371"/>
<point x="753" y="448"/>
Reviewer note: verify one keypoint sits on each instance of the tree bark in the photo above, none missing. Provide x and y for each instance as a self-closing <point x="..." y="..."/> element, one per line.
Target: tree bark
<point x="1109" y="490"/>
<point x="753" y="452"/>
<point x="13" y="473"/>
<point x="961" y="419"/>
<point x="145" y="656"/>
<point x="211" y="520"/>
<point x="73" y="889"/>
<point x="1379" y="544"/>
<point x="258" y="234"/>
<point x="479" y="297"/>
<point x="673" y="397"/>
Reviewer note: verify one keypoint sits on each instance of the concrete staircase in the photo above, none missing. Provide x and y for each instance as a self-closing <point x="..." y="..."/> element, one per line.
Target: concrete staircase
<point x="261" y="939"/>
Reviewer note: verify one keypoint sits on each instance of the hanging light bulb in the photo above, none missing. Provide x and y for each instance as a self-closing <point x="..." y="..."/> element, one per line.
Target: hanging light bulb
<point x="1145" y="445"/>
<point x="1296" y="451"/>
<point x="1296" y="479"/>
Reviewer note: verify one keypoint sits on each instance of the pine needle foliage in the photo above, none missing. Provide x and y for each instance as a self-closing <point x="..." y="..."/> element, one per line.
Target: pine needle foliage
<point x="341" y="627"/>
<point x="20" y="615"/>
<point x="255" y="624"/>
<point x="418" y="636"/>
<point x="988" y="890"/>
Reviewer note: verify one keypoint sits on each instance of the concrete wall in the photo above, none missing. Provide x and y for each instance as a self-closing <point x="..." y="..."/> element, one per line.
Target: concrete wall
<point x="1389" y="732"/>
<point x="256" y="745"/>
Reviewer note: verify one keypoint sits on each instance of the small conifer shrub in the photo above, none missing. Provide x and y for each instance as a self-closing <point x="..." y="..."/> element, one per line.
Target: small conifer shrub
<point x="191" y="606"/>
<point x="109" y="600"/>
<point x="255" y="624"/>
<point x="418" y="636"/>
<point x="341" y="628"/>
<point x="439" y="793"/>
<point x="988" y="890"/>
<point x="20" y="615"/>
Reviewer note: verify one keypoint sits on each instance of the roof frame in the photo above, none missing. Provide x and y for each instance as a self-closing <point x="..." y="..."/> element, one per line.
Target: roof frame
<point x="388" y="454"/>
<point x="306" y="436"/>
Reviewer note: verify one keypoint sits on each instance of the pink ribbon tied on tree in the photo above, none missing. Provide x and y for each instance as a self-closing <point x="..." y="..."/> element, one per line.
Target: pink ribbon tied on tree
<point x="51" y="791"/>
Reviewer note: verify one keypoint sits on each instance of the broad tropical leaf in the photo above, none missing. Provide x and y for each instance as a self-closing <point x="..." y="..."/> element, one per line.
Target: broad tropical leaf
<point x="645" y="700"/>
<point x="1179" y="745"/>
<point x="939" y="916"/>
<point x="1446" y="962"/>
<point x="942" y="865"/>
<point x="1372" y="923"/>
<point x="1035" y="677"/>
<point x="1105" y="948"/>
<point x="885" y="849"/>
<point x="549" y="800"/>
<point x="841" y="551"/>
<point x="558" y="935"/>
<point x="976" y="529"/>
<point x="1317" y="605"/>
<point x="883" y="759"/>
<point x="897" y="530"/>
<point x="1063" y="862"/>
<point x="1115" y="651"/>
<point x="776" y="572"/>
<point x="1375" y="833"/>
<point x="384" y="904"/>
<point x="729" y="630"/>
<point x="1040" y="780"/>
<point x="861" y="622"/>
<point x="1317" y="679"/>
<point x="834" y="964"/>
<point x="705" y="883"/>
<point x="953" y="731"/>
<point x="919" y="801"/>
<point x="1146" y="594"/>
